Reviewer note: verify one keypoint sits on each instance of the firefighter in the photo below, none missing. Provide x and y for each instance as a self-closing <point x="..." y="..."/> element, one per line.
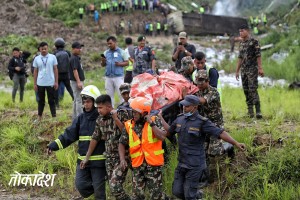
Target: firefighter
<point x="144" y="134"/>
<point x="90" y="180"/>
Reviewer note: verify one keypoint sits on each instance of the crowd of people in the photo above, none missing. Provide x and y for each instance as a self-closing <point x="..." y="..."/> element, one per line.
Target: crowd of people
<point x="150" y="26"/>
<point x="128" y="137"/>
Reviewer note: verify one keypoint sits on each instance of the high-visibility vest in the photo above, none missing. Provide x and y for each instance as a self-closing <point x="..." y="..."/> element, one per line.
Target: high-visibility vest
<point x="143" y="3"/>
<point x="265" y="19"/>
<point x="201" y="10"/>
<point x="81" y="10"/>
<point x="255" y="30"/>
<point x="251" y="20"/>
<point x="150" y="27"/>
<point x="135" y="2"/>
<point x="158" y="26"/>
<point x="165" y="27"/>
<point x="130" y="66"/>
<point x="149" y="147"/>
<point x="207" y="71"/>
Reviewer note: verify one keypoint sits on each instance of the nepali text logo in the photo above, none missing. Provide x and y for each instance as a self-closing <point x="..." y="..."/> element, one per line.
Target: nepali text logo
<point x="40" y="179"/>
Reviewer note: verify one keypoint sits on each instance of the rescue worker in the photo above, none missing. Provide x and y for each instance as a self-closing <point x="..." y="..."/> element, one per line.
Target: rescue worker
<point x="90" y="180"/>
<point x="144" y="58"/>
<point x="130" y="52"/>
<point x="108" y="128"/>
<point x="192" y="129"/>
<point x="249" y="61"/>
<point x="125" y="90"/>
<point x="201" y="9"/>
<point x="213" y="75"/>
<point x="210" y="107"/>
<point x="144" y="135"/>
<point x="187" y="68"/>
<point x="158" y="27"/>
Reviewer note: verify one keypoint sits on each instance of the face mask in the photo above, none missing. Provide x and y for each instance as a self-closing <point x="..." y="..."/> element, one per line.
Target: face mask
<point x="188" y="114"/>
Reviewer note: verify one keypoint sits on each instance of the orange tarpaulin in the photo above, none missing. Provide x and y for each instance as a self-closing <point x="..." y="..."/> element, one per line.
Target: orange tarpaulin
<point x="162" y="90"/>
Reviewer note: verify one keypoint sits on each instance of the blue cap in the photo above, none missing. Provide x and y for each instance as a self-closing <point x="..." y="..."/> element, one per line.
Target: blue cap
<point x="190" y="100"/>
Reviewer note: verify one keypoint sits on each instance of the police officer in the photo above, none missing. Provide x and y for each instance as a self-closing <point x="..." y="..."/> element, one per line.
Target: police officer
<point x="144" y="58"/>
<point x="192" y="129"/>
<point x="144" y="135"/>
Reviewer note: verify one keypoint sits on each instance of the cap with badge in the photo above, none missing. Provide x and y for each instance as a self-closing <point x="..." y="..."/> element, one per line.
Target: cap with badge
<point x="77" y="45"/>
<point x="190" y="100"/>
<point x="125" y="87"/>
<point x="182" y="35"/>
<point x="201" y="76"/>
<point x="140" y="38"/>
<point x="186" y="62"/>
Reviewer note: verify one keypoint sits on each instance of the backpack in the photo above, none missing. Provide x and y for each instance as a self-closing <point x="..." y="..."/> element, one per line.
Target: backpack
<point x="63" y="61"/>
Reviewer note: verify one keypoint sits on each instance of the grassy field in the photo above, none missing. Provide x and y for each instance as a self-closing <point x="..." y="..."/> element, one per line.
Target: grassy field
<point x="268" y="169"/>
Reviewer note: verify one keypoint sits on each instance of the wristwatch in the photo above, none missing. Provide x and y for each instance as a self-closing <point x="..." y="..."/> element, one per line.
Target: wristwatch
<point x="152" y="124"/>
<point x="185" y="51"/>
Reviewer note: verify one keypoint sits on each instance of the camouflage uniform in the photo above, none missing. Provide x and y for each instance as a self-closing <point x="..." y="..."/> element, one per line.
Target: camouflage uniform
<point x="107" y="130"/>
<point x="249" y="51"/>
<point x="213" y="111"/>
<point x="145" y="175"/>
<point x="186" y="63"/>
<point x="143" y="58"/>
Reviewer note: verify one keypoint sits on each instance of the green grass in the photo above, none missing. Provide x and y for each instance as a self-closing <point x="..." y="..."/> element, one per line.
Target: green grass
<point x="272" y="172"/>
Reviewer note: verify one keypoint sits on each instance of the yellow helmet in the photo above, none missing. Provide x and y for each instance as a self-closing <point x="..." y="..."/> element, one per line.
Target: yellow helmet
<point x="141" y="104"/>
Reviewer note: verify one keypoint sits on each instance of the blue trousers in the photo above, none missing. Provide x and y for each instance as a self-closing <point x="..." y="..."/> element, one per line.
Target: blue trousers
<point x="186" y="181"/>
<point x="91" y="180"/>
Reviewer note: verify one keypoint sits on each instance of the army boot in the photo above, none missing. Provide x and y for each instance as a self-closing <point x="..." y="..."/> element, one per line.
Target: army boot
<point x="250" y="111"/>
<point x="258" y="112"/>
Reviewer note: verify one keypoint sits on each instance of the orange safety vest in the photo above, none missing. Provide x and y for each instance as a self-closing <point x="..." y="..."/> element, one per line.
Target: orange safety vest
<point x="150" y="148"/>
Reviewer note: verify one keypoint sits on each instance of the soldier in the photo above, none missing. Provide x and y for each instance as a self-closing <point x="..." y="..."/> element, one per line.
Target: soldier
<point x="192" y="129"/>
<point x="187" y="68"/>
<point x="125" y="90"/>
<point x="144" y="58"/>
<point x="211" y="108"/>
<point x="144" y="135"/>
<point x="249" y="61"/>
<point x="108" y="127"/>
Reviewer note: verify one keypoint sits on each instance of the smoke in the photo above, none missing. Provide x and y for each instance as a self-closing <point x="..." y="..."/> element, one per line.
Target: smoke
<point x="226" y="7"/>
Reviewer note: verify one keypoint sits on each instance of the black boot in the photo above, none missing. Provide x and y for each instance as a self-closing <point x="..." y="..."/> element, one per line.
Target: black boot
<point x="258" y="112"/>
<point x="250" y="111"/>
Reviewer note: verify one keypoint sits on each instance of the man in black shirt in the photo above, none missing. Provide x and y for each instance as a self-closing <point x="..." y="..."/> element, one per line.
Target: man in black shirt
<point x="183" y="49"/>
<point x="77" y="78"/>
<point x="17" y="70"/>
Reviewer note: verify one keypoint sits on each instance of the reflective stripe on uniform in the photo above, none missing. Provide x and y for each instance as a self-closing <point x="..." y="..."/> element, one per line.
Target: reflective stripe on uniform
<point x="85" y="138"/>
<point x="96" y="157"/>
<point x="60" y="146"/>
<point x="131" y="142"/>
<point x="137" y="154"/>
<point x="150" y="138"/>
<point x="159" y="152"/>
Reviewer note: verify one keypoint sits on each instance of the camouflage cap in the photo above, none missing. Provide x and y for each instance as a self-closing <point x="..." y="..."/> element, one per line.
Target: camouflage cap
<point x="125" y="87"/>
<point x="201" y="76"/>
<point x="186" y="62"/>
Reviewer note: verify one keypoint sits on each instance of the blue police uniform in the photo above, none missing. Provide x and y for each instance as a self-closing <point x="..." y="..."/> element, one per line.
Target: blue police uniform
<point x="191" y="132"/>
